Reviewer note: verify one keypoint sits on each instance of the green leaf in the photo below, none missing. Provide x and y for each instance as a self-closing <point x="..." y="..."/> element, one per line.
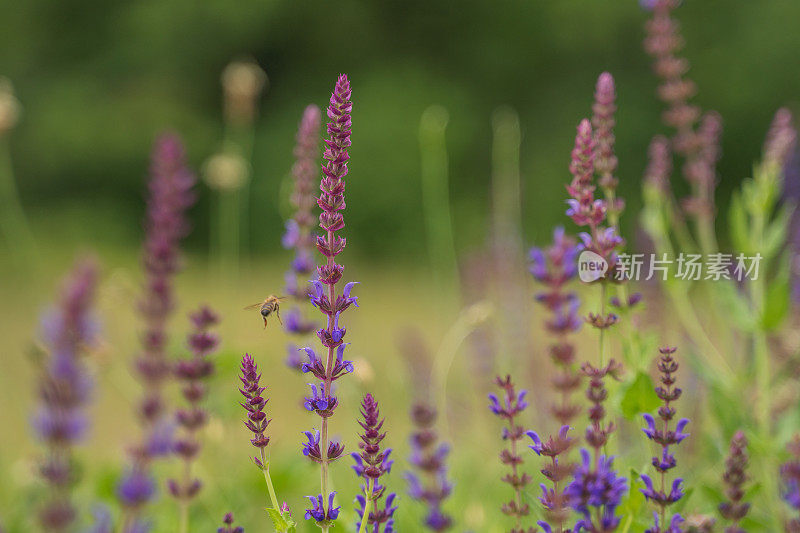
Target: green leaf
<point x="282" y="524"/>
<point x="639" y="397"/>
<point x="733" y="300"/>
<point x="775" y="234"/>
<point x="738" y="224"/>
<point x="776" y="304"/>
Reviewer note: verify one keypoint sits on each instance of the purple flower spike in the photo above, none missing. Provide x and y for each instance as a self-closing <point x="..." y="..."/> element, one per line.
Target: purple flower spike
<point x="661" y="434"/>
<point x="371" y="464"/>
<point x="312" y="451"/>
<point x="553" y="500"/>
<point x="64" y="392"/>
<point x="735" y="476"/>
<point x="555" y="267"/>
<point x="299" y="232"/>
<point x="508" y="407"/>
<point x="171" y="194"/>
<point x="790" y="480"/>
<point x="430" y="485"/>
<point x="331" y="365"/>
<point x="254" y="404"/>
<point x="605" y="161"/>
<point x="192" y="373"/>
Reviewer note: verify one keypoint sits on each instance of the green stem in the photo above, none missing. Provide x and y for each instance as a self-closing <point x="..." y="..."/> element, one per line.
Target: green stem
<point x="272" y="496"/>
<point x="367" y="507"/>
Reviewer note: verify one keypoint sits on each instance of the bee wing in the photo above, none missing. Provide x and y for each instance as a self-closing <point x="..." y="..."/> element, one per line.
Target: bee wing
<point x="254" y="306"/>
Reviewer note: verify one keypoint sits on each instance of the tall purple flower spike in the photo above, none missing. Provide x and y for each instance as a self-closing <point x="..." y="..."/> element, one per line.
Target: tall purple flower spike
<point x="371" y="464"/>
<point x="508" y="407"/>
<point x="330" y="244"/>
<point x="429" y="485"/>
<point x="192" y="373"/>
<point x="299" y="235"/>
<point x="170" y="196"/>
<point x="64" y="389"/>
<point x="555" y="267"/>
<point x="665" y="437"/>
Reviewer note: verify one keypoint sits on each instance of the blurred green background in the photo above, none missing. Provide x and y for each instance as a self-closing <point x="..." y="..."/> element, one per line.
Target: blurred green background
<point x="98" y="79"/>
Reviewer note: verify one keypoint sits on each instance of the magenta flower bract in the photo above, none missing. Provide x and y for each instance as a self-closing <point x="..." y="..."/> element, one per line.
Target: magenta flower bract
<point x="64" y="391"/>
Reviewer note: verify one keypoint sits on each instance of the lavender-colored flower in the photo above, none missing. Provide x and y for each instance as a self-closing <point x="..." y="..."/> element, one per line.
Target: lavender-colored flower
<point x="598" y="431"/>
<point x="554" y="501"/>
<point x="508" y="407"/>
<point x="734" y="478"/>
<point x="322" y="403"/>
<point x="299" y="235"/>
<point x="371" y="464"/>
<point x="659" y="164"/>
<point x="64" y="392"/>
<point x="596" y="486"/>
<point x="228" y="527"/>
<point x="430" y="486"/>
<point x="192" y="373"/>
<point x="554" y="267"/>
<point x="170" y="195"/>
<point x="781" y="139"/>
<point x="790" y="478"/>
<point x="254" y="403"/>
<point x="665" y="437"/>
<point x="312" y="450"/>
<point x="136" y="489"/>
<point x="584" y="208"/>
<point x="700" y="170"/>
<point x="332" y="202"/>
<point x="318" y="512"/>
<point x="605" y="161"/>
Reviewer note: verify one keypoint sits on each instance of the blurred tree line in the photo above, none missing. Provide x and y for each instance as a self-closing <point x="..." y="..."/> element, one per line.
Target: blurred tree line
<point x="98" y="79"/>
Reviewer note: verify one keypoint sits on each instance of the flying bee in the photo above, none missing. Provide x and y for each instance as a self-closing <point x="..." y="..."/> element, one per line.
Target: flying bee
<point x="269" y="306"/>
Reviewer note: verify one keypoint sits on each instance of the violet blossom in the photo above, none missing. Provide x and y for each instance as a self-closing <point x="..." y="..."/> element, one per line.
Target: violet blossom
<point x="371" y="464"/>
<point x="64" y="390"/>
<point x="508" y="407"/>
<point x="790" y="480"/>
<point x="734" y="509"/>
<point x="665" y="437"/>
<point x="553" y="499"/>
<point x="228" y="527"/>
<point x="170" y="195"/>
<point x="554" y="267"/>
<point x="192" y="373"/>
<point x="429" y="484"/>
<point x="332" y="202"/>
<point x="299" y="235"/>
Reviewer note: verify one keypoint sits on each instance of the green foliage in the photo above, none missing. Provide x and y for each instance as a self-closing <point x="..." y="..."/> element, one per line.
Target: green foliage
<point x="282" y="524"/>
<point x="638" y="397"/>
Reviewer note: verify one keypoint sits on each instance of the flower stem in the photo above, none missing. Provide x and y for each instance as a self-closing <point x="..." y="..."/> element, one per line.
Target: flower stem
<point x="367" y="507"/>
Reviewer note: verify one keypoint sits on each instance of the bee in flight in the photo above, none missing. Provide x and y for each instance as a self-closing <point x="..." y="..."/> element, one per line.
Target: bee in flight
<point x="269" y="306"/>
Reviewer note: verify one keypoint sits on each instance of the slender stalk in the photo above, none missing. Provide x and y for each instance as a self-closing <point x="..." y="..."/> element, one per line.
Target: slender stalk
<point x="272" y="496"/>
<point x="13" y="223"/>
<point x="367" y="507"/>
<point x="436" y="197"/>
